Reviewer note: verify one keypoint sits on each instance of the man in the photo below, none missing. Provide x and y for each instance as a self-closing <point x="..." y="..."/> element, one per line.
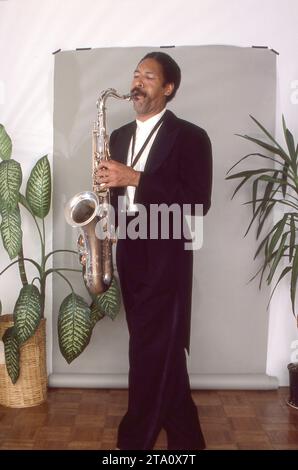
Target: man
<point x="159" y="159"/>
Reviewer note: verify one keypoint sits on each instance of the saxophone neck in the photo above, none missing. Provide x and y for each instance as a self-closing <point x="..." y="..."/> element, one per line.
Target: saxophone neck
<point x="109" y="93"/>
<point x="100" y="125"/>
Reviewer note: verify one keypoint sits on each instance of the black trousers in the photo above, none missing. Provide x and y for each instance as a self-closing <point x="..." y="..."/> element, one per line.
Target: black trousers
<point x="159" y="390"/>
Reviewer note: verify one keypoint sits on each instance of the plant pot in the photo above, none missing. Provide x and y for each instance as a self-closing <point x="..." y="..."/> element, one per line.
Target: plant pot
<point x="293" y="373"/>
<point x="31" y="386"/>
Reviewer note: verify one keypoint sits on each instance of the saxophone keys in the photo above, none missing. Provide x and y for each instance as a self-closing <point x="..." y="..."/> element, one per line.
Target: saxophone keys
<point x="80" y="243"/>
<point x="82" y="259"/>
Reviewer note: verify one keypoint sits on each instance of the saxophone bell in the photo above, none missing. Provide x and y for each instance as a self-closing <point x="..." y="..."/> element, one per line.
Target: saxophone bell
<point x="81" y="209"/>
<point x="84" y="212"/>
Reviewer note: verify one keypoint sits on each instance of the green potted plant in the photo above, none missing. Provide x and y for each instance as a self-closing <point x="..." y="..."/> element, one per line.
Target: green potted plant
<point x="274" y="186"/>
<point x="76" y="317"/>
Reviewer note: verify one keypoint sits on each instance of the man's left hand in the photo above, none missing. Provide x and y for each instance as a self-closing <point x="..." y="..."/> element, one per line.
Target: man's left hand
<point x="114" y="174"/>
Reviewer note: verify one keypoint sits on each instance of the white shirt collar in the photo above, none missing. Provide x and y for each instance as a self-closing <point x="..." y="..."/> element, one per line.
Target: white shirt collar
<point x="150" y="123"/>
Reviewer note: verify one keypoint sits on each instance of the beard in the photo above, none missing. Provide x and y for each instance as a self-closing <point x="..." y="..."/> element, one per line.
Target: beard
<point x="145" y="103"/>
<point x="141" y="103"/>
<point x="141" y="106"/>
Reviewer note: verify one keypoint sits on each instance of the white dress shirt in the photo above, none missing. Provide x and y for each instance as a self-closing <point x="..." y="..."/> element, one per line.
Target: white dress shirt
<point x="142" y="132"/>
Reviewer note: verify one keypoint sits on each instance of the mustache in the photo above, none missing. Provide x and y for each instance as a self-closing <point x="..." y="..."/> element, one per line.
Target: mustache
<point x="137" y="92"/>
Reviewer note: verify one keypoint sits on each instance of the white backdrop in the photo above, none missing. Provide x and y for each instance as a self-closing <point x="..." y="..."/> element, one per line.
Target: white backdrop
<point x="31" y="30"/>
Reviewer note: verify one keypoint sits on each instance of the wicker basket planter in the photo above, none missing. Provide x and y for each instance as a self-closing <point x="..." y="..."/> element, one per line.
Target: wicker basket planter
<point x="31" y="386"/>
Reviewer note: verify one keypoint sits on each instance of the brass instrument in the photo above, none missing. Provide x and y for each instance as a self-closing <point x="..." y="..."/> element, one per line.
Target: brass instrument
<point x="89" y="208"/>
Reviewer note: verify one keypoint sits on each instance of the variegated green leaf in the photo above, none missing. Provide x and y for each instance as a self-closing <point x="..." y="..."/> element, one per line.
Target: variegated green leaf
<point x="5" y="144"/>
<point x="10" y="182"/>
<point x="74" y="326"/>
<point x="11" y="231"/>
<point x="38" y="191"/>
<point x="96" y="313"/>
<point x="27" y="312"/>
<point x="12" y="354"/>
<point x="109" y="302"/>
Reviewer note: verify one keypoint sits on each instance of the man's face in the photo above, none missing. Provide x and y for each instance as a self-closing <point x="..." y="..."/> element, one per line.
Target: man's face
<point x="149" y="89"/>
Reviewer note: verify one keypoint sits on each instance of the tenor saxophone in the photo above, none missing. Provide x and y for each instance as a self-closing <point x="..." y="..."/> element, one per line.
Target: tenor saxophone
<point x="87" y="209"/>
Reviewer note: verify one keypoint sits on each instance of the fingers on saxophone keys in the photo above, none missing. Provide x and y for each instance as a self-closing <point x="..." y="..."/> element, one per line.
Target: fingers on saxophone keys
<point x="102" y="176"/>
<point x="104" y="165"/>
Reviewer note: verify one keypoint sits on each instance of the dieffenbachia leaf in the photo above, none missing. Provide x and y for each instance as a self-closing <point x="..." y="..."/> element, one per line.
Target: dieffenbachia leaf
<point x="5" y="144"/>
<point x="10" y="182"/>
<point x="74" y="326"/>
<point x="27" y="312"/>
<point x="38" y="190"/>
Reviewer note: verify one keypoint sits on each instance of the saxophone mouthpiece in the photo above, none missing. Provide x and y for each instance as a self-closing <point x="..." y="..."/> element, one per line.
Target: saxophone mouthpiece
<point x="133" y="94"/>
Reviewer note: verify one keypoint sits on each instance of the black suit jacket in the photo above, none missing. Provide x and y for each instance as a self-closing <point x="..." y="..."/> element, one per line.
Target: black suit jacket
<point x="178" y="170"/>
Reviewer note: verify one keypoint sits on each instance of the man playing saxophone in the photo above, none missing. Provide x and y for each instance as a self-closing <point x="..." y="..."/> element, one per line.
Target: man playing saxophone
<point x="158" y="159"/>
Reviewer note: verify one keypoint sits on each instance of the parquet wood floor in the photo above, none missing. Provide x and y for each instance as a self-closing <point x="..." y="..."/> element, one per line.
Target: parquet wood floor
<point x="88" y="419"/>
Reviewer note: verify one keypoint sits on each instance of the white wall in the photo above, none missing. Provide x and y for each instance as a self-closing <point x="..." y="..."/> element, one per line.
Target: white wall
<point x="30" y="30"/>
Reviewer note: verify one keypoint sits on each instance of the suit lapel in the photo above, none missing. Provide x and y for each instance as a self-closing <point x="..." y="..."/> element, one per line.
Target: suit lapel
<point x="163" y="142"/>
<point x="122" y="145"/>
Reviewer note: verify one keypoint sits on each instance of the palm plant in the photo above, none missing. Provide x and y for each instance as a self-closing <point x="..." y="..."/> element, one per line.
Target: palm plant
<point x="76" y="317"/>
<point x="274" y="187"/>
